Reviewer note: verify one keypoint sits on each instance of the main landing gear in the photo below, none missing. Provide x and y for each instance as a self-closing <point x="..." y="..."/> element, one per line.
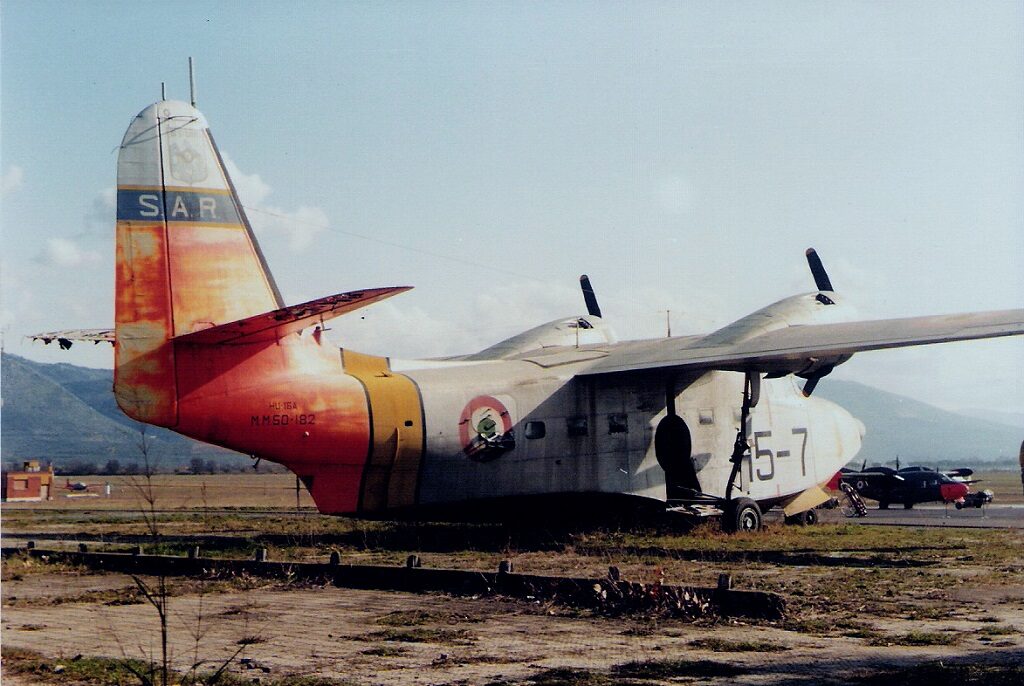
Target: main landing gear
<point x="742" y="514"/>
<point x="737" y="514"/>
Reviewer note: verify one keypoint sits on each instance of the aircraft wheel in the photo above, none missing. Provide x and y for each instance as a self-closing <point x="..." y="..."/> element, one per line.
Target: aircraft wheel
<point x="959" y="506"/>
<point x="908" y="506"/>
<point x="882" y="505"/>
<point x="742" y="514"/>
<point x="806" y="518"/>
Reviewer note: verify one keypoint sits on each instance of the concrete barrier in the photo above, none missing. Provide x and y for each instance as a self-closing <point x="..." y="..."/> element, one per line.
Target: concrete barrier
<point x="610" y="595"/>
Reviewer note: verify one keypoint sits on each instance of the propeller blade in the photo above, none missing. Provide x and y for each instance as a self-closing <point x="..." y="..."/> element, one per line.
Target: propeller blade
<point x="814" y="378"/>
<point x="590" y="297"/>
<point x="818" y="271"/>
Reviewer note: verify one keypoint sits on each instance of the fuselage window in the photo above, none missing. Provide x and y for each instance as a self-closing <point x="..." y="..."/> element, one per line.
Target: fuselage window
<point x="618" y="423"/>
<point x="576" y="426"/>
<point x="707" y="416"/>
<point x="535" y="430"/>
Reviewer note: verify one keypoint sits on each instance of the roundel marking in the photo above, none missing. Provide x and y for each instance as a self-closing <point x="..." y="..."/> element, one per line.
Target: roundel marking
<point x="483" y="421"/>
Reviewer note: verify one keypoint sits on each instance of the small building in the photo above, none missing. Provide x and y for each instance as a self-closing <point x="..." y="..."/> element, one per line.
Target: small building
<point x="32" y="483"/>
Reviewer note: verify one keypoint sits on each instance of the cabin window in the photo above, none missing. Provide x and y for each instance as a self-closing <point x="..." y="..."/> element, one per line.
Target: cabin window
<point x="577" y="426"/>
<point x="707" y="416"/>
<point x="21" y="484"/>
<point x="618" y="423"/>
<point x="536" y="430"/>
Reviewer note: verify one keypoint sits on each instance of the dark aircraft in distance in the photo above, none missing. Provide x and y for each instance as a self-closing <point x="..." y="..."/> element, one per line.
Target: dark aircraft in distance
<point x="909" y="486"/>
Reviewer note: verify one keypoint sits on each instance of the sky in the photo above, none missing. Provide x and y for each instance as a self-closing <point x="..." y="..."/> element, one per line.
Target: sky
<point x="684" y="155"/>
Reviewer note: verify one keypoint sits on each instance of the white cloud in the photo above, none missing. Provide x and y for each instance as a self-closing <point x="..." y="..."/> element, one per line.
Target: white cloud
<point x="299" y="227"/>
<point x="12" y="180"/>
<point x="63" y="252"/>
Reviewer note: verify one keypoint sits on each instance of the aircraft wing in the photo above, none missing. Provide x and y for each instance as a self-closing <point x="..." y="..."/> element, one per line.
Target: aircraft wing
<point x="66" y="338"/>
<point x="796" y="348"/>
<point x="875" y="478"/>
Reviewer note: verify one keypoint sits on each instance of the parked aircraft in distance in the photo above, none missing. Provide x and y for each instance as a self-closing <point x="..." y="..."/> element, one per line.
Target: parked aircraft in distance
<point x="560" y="417"/>
<point x="911" y="485"/>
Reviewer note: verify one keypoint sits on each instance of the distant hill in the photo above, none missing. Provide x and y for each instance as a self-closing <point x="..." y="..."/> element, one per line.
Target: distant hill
<point x="1014" y="419"/>
<point x="63" y="413"/>
<point x="918" y="432"/>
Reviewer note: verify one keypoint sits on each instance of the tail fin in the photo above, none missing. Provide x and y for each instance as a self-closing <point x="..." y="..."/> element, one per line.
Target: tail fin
<point x="187" y="259"/>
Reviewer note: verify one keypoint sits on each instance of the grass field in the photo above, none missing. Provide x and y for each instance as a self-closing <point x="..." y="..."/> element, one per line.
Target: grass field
<point x="177" y="492"/>
<point x="278" y="491"/>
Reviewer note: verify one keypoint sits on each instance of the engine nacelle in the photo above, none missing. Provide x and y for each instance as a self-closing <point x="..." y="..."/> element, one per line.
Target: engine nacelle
<point x="568" y="332"/>
<point x="820" y="366"/>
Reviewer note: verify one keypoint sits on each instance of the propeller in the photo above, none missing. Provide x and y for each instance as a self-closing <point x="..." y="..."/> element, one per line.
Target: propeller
<point x="821" y="279"/>
<point x="593" y="309"/>
<point x="823" y="283"/>
<point x="812" y="382"/>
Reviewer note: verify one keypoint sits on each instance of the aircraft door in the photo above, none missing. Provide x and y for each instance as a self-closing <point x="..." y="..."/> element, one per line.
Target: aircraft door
<point x="673" y="446"/>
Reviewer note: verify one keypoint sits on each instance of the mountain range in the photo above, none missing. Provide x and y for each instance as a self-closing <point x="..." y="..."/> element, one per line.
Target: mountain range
<point x="61" y="413"/>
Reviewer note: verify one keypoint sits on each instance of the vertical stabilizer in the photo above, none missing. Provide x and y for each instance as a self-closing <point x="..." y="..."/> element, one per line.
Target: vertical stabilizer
<point x="187" y="259"/>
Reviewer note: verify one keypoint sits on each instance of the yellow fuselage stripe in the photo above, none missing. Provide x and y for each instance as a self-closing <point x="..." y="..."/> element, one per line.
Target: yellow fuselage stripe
<point x="392" y="468"/>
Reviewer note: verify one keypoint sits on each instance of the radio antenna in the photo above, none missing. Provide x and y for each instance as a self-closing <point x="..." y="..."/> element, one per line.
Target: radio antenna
<point x="191" y="82"/>
<point x="163" y="90"/>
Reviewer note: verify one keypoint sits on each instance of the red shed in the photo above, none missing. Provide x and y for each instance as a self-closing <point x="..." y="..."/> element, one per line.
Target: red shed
<point x="30" y="484"/>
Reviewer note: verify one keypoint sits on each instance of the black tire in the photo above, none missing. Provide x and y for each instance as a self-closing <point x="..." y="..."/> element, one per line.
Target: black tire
<point x="883" y="505"/>
<point x="806" y="518"/>
<point x="908" y="506"/>
<point x="959" y="506"/>
<point x="742" y="514"/>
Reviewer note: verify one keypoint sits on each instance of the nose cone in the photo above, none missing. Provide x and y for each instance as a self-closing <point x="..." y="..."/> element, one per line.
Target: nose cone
<point x="953" y="492"/>
<point x="837" y="435"/>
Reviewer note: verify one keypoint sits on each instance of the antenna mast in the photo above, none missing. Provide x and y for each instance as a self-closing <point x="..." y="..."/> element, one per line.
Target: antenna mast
<point x="191" y="82"/>
<point x="163" y="90"/>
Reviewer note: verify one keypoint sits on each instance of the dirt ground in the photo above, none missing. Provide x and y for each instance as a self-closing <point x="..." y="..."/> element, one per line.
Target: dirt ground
<point x="863" y="603"/>
<point x="371" y="637"/>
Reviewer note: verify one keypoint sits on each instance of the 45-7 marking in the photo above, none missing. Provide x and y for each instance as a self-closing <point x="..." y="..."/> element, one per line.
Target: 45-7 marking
<point x="765" y="471"/>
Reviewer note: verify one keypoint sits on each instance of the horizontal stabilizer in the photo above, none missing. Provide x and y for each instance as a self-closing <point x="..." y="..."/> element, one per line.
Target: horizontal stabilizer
<point x="66" y="338"/>
<point x="279" y="323"/>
